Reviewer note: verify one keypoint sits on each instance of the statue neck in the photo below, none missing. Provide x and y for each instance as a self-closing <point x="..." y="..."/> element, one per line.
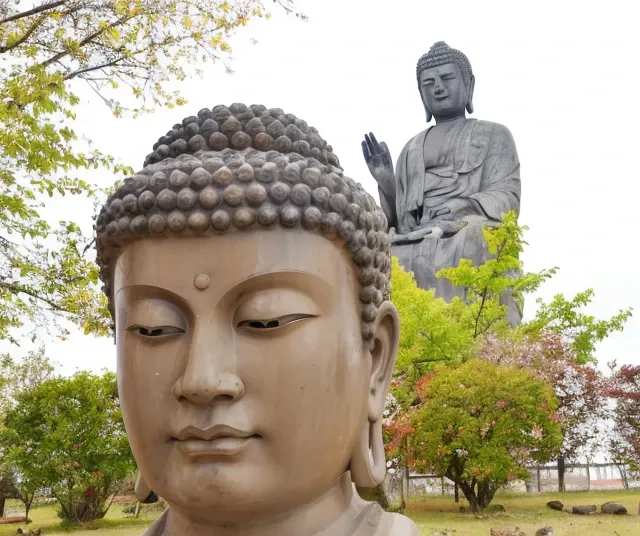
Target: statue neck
<point x="456" y="117"/>
<point x="338" y="507"/>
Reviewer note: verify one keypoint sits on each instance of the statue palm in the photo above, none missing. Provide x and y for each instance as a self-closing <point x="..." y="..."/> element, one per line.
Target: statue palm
<point x="378" y="159"/>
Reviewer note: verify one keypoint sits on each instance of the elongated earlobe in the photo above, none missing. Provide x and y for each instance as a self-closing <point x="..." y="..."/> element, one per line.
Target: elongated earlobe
<point x="426" y="108"/>
<point x="368" y="464"/>
<point x="472" y="85"/>
<point x="143" y="492"/>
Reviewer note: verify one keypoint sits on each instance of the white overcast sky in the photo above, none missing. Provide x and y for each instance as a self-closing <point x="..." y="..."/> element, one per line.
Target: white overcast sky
<point x="561" y="75"/>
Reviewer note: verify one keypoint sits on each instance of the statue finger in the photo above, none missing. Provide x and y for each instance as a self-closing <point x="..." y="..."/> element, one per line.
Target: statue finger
<point x="376" y="145"/>
<point x="367" y="139"/>
<point x="365" y="151"/>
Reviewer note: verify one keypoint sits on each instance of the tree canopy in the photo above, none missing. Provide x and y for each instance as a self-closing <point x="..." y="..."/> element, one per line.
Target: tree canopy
<point x="479" y="424"/>
<point x="557" y="345"/>
<point x="126" y="51"/>
<point x="67" y="435"/>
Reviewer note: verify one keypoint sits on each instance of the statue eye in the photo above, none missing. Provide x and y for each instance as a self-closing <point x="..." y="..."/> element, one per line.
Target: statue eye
<point x="156" y="332"/>
<point x="273" y="323"/>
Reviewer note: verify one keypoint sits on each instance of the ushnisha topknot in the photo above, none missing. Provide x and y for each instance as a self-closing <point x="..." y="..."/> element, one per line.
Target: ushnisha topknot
<point x="206" y="191"/>
<point x="440" y="54"/>
<point x="241" y="127"/>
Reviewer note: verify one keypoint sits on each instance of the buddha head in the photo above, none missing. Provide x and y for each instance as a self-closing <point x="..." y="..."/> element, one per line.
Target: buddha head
<point x="249" y="283"/>
<point x="446" y="82"/>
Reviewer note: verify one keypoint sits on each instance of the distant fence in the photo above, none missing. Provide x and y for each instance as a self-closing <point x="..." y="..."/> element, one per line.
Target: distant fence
<point x="544" y="478"/>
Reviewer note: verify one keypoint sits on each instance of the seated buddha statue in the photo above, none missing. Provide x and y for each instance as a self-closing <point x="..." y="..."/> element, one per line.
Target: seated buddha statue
<point x="451" y="179"/>
<point x="248" y="278"/>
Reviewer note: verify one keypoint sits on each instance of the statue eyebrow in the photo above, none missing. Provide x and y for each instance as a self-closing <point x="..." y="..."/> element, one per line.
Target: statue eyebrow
<point x="144" y="292"/>
<point x="320" y="291"/>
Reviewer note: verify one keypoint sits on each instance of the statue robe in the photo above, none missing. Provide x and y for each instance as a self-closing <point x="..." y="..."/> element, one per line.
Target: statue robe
<point x="477" y="161"/>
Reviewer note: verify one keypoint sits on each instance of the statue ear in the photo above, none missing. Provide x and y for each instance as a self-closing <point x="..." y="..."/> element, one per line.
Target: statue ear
<point x="426" y="108"/>
<point x="368" y="465"/>
<point x="472" y="85"/>
<point x="383" y="357"/>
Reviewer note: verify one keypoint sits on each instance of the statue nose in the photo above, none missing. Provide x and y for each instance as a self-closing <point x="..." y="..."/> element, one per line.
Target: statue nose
<point x="210" y="373"/>
<point x="203" y="391"/>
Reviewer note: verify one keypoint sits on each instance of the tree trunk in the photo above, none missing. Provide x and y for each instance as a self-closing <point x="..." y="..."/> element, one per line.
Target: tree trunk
<point x="2" y="503"/>
<point x="561" y="472"/>
<point x="528" y="483"/>
<point x="486" y="492"/>
<point x="456" y="493"/>
<point x="470" y="495"/>
<point x="623" y="475"/>
<point x="538" y="477"/>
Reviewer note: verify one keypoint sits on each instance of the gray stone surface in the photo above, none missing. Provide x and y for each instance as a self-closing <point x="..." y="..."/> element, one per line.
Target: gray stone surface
<point x="450" y="179"/>
<point x="584" y="510"/>
<point x="556" y="505"/>
<point x="614" y="508"/>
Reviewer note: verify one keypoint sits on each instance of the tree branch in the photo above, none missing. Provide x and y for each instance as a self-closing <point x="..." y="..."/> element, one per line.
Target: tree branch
<point x="38" y="9"/>
<point x="19" y="289"/>
<point x="25" y="36"/>
<point x="86" y="70"/>
<point x="484" y="296"/>
<point x="87" y="39"/>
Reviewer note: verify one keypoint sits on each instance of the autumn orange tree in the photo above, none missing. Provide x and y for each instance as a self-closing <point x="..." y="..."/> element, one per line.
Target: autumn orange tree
<point x="125" y="51"/>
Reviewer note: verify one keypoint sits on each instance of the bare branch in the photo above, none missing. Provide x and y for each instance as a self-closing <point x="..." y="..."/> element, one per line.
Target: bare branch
<point x="25" y="36"/>
<point x="38" y="9"/>
<point x="87" y="39"/>
<point x="80" y="72"/>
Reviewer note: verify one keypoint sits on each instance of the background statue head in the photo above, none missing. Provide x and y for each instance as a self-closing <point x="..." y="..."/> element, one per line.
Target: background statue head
<point x="249" y="280"/>
<point x="446" y="82"/>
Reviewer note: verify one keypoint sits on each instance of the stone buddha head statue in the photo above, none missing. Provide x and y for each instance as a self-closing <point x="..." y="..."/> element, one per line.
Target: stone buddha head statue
<point x="249" y="283"/>
<point x="446" y="82"/>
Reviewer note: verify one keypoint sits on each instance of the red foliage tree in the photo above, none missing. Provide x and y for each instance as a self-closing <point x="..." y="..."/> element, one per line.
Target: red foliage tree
<point x="624" y="387"/>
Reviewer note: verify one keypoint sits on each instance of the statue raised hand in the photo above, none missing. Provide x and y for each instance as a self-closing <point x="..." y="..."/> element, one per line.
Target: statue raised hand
<point x="378" y="159"/>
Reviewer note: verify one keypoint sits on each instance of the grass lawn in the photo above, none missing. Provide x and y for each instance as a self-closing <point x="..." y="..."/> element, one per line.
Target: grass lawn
<point x="45" y="518"/>
<point x="529" y="512"/>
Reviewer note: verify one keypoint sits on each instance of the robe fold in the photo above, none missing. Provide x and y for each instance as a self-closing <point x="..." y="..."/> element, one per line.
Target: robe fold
<point x="477" y="161"/>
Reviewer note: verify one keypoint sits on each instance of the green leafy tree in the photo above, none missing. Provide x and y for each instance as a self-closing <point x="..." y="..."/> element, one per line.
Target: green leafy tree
<point x="16" y="377"/>
<point x="480" y="423"/>
<point x="436" y="332"/>
<point x="125" y="50"/>
<point x="67" y="435"/>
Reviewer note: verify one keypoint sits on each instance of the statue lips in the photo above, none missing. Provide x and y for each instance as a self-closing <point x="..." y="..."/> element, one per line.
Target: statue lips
<point x="214" y="441"/>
